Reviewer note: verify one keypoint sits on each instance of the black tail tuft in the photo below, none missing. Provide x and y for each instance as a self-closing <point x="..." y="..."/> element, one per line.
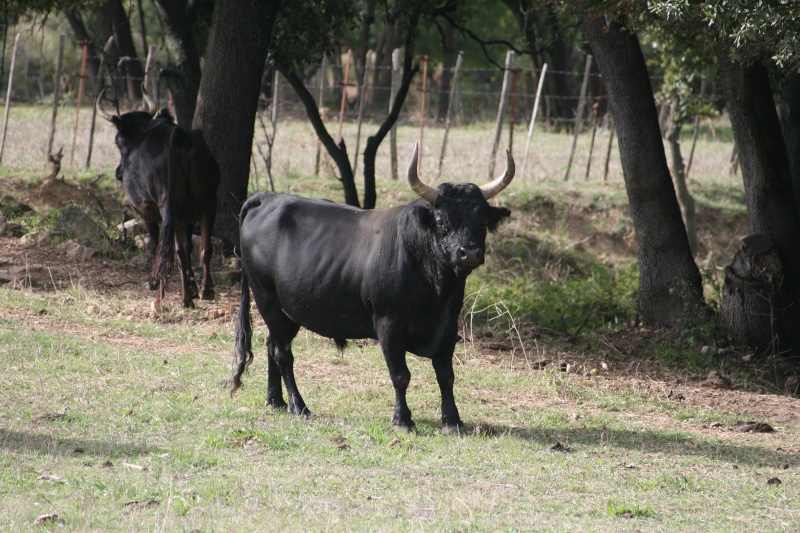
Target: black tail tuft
<point x="242" y="343"/>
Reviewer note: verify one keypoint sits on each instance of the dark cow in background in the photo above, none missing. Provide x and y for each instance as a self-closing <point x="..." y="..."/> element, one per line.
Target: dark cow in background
<point x="171" y="179"/>
<point x="396" y="275"/>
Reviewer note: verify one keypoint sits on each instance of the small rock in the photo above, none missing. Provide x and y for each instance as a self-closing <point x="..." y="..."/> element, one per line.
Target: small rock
<point x="717" y="381"/>
<point x="774" y="481"/>
<point x="753" y="427"/>
<point x="558" y="447"/>
<point x="539" y="364"/>
<point x="45" y="519"/>
<point x="92" y="309"/>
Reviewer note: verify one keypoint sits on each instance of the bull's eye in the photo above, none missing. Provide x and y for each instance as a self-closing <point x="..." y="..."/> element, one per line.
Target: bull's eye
<point x="442" y="224"/>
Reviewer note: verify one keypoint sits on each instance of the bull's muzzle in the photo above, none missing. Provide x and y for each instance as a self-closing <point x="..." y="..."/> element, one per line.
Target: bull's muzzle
<point x="469" y="257"/>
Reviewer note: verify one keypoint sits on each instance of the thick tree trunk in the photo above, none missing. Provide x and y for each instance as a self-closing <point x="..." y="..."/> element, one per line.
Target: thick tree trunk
<point x="790" y="123"/>
<point x="228" y="98"/>
<point x="669" y="280"/>
<point x="752" y="294"/>
<point x="771" y="208"/>
<point x="177" y="21"/>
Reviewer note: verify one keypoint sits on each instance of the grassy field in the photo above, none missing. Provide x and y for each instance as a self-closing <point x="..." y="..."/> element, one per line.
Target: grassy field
<point x="113" y="418"/>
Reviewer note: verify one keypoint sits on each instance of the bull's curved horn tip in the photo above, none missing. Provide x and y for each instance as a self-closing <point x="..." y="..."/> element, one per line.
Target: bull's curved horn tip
<point x="425" y="191"/>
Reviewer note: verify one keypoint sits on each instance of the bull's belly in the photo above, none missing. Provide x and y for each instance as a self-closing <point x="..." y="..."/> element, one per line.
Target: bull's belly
<point x="335" y="321"/>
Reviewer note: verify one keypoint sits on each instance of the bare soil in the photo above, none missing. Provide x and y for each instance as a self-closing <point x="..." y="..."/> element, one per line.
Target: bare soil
<point x="616" y="363"/>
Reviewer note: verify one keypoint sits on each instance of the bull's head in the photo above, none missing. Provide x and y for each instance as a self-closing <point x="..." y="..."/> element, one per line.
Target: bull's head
<point x="129" y="125"/>
<point x="461" y="215"/>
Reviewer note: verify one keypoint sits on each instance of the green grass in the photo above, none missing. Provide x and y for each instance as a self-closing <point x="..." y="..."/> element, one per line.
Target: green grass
<point x="151" y="440"/>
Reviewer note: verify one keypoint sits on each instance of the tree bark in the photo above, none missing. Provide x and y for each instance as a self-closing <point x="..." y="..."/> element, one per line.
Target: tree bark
<point x="228" y="98"/>
<point x="670" y="285"/>
<point x="688" y="205"/>
<point x="771" y="208"/>
<point x="790" y="123"/>
<point x="177" y="21"/>
<point x="448" y="62"/>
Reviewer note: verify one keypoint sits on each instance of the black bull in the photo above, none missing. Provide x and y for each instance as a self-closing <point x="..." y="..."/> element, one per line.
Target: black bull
<point x="396" y="275"/>
<point x="170" y="177"/>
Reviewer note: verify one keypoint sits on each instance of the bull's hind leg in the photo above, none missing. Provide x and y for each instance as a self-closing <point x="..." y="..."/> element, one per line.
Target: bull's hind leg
<point x="206" y="228"/>
<point x="281" y="353"/>
<point x="189" y="231"/>
<point x="184" y="264"/>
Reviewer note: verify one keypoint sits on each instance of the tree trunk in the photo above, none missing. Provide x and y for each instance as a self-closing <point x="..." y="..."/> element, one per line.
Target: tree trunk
<point x="337" y="152"/>
<point x="790" y="123"/>
<point x="769" y="194"/>
<point x="685" y="198"/>
<point x="177" y="21"/>
<point x="111" y="19"/>
<point x="448" y="62"/>
<point x="751" y="295"/>
<point x="669" y="281"/>
<point x="228" y="98"/>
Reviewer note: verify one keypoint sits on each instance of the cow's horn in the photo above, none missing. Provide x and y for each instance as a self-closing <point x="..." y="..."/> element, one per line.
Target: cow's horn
<point x="425" y="191"/>
<point x="152" y="107"/>
<point x="99" y="106"/>
<point x="493" y="188"/>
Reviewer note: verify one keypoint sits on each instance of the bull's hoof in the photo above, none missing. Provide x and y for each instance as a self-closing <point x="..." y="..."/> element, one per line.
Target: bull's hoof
<point x="300" y="411"/>
<point x="408" y="428"/>
<point x="193" y="291"/>
<point x="456" y="430"/>
<point x="276" y="403"/>
<point x="207" y="294"/>
<point x="188" y="305"/>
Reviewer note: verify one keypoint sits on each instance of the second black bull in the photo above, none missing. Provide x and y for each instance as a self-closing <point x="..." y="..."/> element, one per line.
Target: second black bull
<point x="170" y="178"/>
<point x="396" y="275"/>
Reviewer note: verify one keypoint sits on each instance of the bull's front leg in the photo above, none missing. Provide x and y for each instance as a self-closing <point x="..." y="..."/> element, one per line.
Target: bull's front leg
<point x="394" y="351"/>
<point x="443" y="366"/>
<point x="206" y="228"/>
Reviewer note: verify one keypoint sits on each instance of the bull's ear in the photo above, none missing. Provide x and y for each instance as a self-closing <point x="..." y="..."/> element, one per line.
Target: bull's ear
<point x="497" y="215"/>
<point x="423" y="216"/>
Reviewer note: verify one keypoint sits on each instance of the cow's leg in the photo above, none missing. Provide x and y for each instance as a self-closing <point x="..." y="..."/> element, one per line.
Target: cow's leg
<point x="189" y="230"/>
<point x="183" y="264"/>
<point x="152" y="246"/>
<point x="394" y="352"/>
<point x="207" y="216"/>
<point x="274" y="387"/>
<point x="443" y="366"/>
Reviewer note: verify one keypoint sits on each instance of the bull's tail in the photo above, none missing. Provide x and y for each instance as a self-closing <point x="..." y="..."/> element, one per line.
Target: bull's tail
<point x="165" y="254"/>
<point x="242" y="341"/>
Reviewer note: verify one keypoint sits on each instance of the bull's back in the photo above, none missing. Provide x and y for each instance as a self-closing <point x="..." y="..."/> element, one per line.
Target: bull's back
<point x="311" y="256"/>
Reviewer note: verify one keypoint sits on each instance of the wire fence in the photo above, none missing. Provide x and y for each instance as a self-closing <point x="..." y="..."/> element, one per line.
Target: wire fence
<point x="345" y="95"/>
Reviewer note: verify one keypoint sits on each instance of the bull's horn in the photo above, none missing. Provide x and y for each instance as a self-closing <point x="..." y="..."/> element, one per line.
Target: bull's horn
<point x="152" y="107"/>
<point x="493" y="188"/>
<point x="99" y="106"/>
<point x="425" y="191"/>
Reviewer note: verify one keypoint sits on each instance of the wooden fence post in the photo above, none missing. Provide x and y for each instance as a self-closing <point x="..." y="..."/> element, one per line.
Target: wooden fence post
<point x="149" y="83"/>
<point x="453" y="92"/>
<point x="608" y="148"/>
<point x="422" y="111"/>
<point x="344" y="93"/>
<point x="393" y="95"/>
<point x="533" y="117"/>
<point x="512" y="109"/>
<point x="56" y="95"/>
<point x="498" y="126"/>
<point x="579" y="113"/>
<point x="78" y="104"/>
<point x="8" y="95"/>
<point x="595" y="109"/>
<point x="362" y="93"/>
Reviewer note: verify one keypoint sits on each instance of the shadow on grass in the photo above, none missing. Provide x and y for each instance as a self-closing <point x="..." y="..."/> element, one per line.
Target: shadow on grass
<point x="16" y="441"/>
<point x="676" y="443"/>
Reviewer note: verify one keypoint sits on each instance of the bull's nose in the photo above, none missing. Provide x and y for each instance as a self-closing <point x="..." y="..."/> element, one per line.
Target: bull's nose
<point x="470" y="257"/>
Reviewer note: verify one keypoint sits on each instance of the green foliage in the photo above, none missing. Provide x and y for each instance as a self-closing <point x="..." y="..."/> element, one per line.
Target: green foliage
<point x="630" y="511"/>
